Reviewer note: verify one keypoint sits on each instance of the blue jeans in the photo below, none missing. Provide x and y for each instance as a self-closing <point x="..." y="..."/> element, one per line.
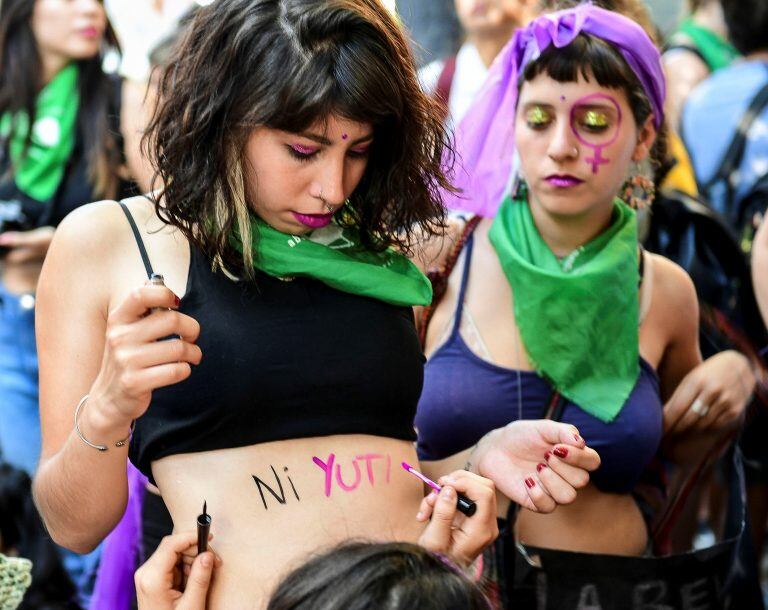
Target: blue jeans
<point x="20" y="415"/>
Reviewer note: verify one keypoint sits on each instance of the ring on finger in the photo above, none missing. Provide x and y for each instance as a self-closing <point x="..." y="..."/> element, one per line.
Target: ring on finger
<point x="699" y="407"/>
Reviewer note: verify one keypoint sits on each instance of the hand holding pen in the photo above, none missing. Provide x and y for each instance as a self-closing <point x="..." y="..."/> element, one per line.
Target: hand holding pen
<point x="159" y="583"/>
<point x="450" y="531"/>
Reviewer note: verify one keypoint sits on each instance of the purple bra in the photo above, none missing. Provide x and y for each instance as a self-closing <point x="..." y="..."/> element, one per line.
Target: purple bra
<point x="464" y="397"/>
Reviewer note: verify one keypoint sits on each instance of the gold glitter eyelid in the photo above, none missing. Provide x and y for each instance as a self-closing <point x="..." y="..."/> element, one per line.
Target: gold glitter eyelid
<point x="595" y="118"/>
<point x="537" y="115"/>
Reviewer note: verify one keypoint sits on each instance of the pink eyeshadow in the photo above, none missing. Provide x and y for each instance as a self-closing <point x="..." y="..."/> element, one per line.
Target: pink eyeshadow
<point x="304" y="150"/>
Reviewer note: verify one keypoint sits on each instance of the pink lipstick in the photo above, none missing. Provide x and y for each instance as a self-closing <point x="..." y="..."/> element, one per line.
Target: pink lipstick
<point x="90" y="32"/>
<point x="313" y="221"/>
<point x="563" y="181"/>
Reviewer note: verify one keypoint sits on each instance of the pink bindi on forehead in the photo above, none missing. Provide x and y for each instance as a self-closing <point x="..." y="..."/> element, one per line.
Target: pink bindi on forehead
<point x="344" y="136"/>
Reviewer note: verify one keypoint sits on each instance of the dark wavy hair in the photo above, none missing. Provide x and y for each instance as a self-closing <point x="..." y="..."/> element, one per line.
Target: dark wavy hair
<point x="286" y="64"/>
<point x="391" y="576"/>
<point x="20" y="61"/>
<point x="593" y="57"/>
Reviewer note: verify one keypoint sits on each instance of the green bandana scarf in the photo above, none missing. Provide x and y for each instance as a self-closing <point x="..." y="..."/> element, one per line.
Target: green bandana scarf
<point x="578" y="317"/>
<point x="335" y="257"/>
<point x="39" y="171"/>
<point x="717" y="52"/>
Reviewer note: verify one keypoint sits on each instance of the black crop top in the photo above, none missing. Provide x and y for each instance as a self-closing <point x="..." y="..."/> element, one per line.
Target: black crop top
<point x="282" y="360"/>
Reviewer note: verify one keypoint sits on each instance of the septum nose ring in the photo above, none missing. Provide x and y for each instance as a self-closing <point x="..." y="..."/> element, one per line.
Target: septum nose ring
<point x="327" y="205"/>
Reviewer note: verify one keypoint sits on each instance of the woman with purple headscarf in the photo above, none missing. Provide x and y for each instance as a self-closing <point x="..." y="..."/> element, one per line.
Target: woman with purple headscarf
<point x="554" y="310"/>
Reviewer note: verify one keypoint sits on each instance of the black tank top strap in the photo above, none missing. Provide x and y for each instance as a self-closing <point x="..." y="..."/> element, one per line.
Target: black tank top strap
<point x="464" y="281"/>
<point x="139" y="241"/>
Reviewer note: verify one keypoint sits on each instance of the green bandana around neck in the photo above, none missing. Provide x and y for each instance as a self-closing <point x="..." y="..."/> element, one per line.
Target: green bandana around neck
<point x="334" y="256"/>
<point x="717" y="52"/>
<point x="578" y="318"/>
<point x="39" y="170"/>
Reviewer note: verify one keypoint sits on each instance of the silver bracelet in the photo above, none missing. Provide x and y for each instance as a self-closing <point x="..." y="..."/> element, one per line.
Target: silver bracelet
<point x="121" y="443"/>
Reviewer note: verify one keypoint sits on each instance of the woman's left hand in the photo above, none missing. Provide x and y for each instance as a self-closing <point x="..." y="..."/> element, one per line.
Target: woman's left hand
<point x="452" y="533"/>
<point x="26" y="246"/>
<point x="712" y="397"/>
<point x="158" y="581"/>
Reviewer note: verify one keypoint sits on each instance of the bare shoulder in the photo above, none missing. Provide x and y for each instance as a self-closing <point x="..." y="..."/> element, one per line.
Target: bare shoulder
<point x="431" y="252"/>
<point x="684" y="65"/>
<point x="90" y="234"/>
<point x="674" y="292"/>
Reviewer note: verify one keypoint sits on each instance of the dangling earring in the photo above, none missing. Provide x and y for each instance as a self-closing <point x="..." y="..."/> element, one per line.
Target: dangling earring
<point x="639" y="190"/>
<point x="519" y="188"/>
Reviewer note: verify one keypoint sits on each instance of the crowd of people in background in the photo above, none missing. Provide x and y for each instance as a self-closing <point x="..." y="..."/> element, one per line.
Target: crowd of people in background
<point x="257" y="254"/>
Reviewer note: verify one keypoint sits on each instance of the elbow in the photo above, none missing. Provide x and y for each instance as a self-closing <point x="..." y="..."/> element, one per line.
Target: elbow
<point x="76" y="543"/>
<point x="76" y="534"/>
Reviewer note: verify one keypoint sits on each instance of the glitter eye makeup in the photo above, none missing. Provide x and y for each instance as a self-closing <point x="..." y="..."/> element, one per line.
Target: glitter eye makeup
<point x="596" y="122"/>
<point x="537" y="117"/>
<point x="301" y="152"/>
<point x="360" y="151"/>
<point x="304" y="150"/>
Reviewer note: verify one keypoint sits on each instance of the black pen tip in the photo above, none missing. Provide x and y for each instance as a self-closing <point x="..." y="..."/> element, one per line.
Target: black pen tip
<point x="205" y="507"/>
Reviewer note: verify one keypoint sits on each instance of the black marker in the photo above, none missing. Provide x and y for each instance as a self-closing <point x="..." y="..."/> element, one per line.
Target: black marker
<point x="203" y="529"/>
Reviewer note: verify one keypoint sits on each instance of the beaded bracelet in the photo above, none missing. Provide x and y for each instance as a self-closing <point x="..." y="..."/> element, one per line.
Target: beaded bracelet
<point x="120" y="443"/>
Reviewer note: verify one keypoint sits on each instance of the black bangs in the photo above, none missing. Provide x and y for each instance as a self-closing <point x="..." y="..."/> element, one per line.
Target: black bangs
<point x="349" y="75"/>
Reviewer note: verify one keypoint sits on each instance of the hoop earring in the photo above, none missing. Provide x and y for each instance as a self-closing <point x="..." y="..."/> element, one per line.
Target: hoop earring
<point x="639" y="191"/>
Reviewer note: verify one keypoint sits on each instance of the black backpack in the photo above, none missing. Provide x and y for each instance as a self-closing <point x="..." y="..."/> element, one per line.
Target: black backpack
<point x="743" y="216"/>
<point x="689" y="232"/>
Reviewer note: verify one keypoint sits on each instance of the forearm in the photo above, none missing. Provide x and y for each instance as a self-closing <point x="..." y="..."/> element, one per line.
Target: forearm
<point x="81" y="492"/>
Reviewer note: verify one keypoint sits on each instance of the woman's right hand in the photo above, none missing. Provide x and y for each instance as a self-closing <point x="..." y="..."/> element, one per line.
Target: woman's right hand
<point x="135" y="360"/>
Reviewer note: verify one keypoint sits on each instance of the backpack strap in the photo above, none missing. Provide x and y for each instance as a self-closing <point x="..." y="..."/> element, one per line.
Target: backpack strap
<point x="735" y="151"/>
<point x="439" y="278"/>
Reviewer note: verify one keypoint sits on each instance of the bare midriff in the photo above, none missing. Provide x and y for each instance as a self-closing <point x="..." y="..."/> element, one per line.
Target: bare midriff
<point x="596" y="522"/>
<point x="275" y="504"/>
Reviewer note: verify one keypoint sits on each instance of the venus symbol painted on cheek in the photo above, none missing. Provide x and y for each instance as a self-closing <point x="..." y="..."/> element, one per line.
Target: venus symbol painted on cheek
<point x="600" y="120"/>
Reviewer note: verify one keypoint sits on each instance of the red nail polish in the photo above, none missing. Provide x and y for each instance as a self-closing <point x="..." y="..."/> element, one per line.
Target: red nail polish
<point x="176" y="300"/>
<point x="530" y="482"/>
<point x="547" y="455"/>
<point x="561" y="452"/>
<point x="540" y="467"/>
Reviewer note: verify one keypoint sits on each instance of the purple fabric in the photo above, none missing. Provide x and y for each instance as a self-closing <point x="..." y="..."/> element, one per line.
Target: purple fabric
<point x="114" y="589"/>
<point x="485" y="137"/>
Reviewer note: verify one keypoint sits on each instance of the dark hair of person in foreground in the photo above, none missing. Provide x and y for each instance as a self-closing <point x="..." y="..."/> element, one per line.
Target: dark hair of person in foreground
<point x="364" y="575"/>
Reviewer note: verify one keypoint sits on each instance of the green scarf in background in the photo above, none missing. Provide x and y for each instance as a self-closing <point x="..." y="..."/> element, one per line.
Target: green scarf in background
<point x="717" y="52"/>
<point x="334" y="256"/>
<point x="578" y="318"/>
<point x="39" y="169"/>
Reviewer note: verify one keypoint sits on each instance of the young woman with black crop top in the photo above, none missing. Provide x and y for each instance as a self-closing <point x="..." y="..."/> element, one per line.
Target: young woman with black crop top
<point x="551" y="301"/>
<point x="293" y="150"/>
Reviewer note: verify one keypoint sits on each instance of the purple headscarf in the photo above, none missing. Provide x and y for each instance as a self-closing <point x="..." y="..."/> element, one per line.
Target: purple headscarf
<point x="485" y="137"/>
